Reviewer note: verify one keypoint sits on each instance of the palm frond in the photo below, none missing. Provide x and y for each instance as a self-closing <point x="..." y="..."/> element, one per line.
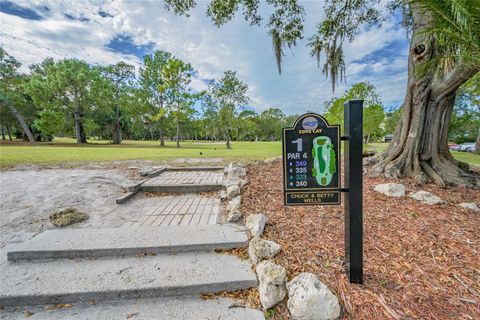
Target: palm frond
<point x="455" y="32"/>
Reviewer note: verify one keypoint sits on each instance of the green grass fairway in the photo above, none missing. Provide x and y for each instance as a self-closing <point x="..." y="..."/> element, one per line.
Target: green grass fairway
<point x="62" y="151"/>
<point x="65" y="151"/>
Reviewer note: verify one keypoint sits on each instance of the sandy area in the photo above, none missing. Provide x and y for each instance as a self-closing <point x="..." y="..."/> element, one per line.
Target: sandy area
<point x="27" y="197"/>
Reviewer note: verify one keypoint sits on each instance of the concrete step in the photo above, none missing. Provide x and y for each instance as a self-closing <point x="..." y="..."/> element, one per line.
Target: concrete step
<point x="127" y="196"/>
<point x="174" y="308"/>
<point x="73" y="280"/>
<point x="93" y="243"/>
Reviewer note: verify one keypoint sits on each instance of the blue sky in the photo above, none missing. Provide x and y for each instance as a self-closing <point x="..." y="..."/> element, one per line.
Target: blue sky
<point x="105" y="32"/>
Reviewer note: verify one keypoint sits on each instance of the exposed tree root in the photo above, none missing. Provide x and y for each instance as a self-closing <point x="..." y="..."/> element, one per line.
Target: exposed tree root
<point x="442" y="171"/>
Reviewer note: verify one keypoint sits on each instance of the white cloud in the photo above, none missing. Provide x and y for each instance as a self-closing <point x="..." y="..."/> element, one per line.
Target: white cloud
<point x="210" y="50"/>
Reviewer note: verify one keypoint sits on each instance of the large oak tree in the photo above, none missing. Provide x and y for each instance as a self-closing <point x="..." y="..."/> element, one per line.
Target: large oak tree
<point x="120" y="76"/>
<point x="11" y="92"/>
<point x="151" y="81"/>
<point x="444" y="53"/>
<point x="69" y="86"/>
<point x="225" y="98"/>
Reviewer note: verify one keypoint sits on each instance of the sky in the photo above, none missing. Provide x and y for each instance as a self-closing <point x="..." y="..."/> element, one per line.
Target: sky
<point x="105" y="32"/>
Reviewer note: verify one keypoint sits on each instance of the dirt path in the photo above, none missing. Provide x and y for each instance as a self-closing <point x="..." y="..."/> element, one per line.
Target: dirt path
<point x="27" y="197"/>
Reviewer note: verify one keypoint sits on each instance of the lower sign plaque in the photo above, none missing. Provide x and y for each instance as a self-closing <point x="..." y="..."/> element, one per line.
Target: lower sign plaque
<point x="310" y="198"/>
<point x="311" y="168"/>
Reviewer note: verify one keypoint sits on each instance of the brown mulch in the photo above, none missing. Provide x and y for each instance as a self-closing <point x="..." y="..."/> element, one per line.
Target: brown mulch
<point x="421" y="261"/>
<point x="242" y="253"/>
<point x="249" y="298"/>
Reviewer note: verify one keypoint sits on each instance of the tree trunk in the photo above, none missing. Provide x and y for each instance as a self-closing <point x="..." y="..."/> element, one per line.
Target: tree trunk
<point x="162" y="139"/>
<point x="178" y="133"/>
<point x="9" y="132"/>
<point x="117" y="133"/>
<point x="79" y="130"/>
<point x="367" y="139"/>
<point x="420" y="145"/>
<point x="3" y="132"/>
<point x="22" y="122"/>
<point x="228" y="139"/>
<point x="477" y="144"/>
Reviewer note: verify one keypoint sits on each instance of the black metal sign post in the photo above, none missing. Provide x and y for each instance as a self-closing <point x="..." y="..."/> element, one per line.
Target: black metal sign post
<point x="311" y="172"/>
<point x="353" y="181"/>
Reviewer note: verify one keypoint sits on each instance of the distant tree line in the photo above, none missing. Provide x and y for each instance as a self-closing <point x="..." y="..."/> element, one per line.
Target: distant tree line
<point x="71" y="98"/>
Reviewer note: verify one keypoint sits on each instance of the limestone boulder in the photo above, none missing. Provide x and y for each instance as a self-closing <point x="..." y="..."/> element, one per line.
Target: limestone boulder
<point x="232" y="191"/>
<point x="235" y="171"/>
<point x="310" y="299"/>
<point x="269" y="272"/>
<point x="273" y="160"/>
<point x="256" y="223"/>
<point x="234" y="215"/>
<point x="272" y="280"/>
<point x="470" y="205"/>
<point x="145" y="171"/>
<point x="260" y="249"/>
<point x="426" y="198"/>
<point x="234" y="203"/>
<point x="391" y="189"/>
<point x="223" y="194"/>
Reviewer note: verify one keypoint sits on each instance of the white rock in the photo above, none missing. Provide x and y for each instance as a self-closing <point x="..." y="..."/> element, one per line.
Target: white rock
<point x="271" y="294"/>
<point x="269" y="272"/>
<point x="234" y="215"/>
<point x="235" y="171"/>
<point x="256" y="223"/>
<point x="426" y="197"/>
<point x="223" y="194"/>
<point x="232" y="192"/>
<point x="232" y="181"/>
<point x="259" y="249"/>
<point x="310" y="299"/>
<point x="243" y="183"/>
<point x="272" y="279"/>
<point x="468" y="205"/>
<point x="235" y="181"/>
<point x="391" y="189"/>
<point x="234" y="203"/>
<point x="145" y="171"/>
<point x="272" y="160"/>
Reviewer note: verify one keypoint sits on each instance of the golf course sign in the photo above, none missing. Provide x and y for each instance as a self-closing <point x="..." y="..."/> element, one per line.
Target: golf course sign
<point x="311" y="173"/>
<point x="311" y="161"/>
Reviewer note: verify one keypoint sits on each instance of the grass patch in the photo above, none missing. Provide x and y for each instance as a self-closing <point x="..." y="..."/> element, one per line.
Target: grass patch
<point x="64" y="150"/>
<point x="67" y="217"/>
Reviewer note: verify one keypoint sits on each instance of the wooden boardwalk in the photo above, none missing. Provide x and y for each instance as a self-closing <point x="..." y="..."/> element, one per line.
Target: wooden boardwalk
<point x="187" y="177"/>
<point x="187" y="209"/>
<point x="185" y="181"/>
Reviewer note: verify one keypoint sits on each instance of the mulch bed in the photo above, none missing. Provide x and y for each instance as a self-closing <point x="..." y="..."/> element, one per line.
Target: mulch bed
<point x="421" y="261"/>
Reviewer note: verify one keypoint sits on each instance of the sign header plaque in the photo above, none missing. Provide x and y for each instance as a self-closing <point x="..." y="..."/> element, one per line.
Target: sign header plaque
<point x="311" y="170"/>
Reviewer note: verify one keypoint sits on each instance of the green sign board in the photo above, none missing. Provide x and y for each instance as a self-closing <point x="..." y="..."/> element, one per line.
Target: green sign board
<point x="311" y="171"/>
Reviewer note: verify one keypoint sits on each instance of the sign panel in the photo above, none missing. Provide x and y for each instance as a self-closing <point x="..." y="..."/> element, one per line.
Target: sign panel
<point x="311" y="171"/>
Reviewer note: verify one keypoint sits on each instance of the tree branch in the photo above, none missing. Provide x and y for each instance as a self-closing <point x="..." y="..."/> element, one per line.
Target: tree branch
<point x="453" y="80"/>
